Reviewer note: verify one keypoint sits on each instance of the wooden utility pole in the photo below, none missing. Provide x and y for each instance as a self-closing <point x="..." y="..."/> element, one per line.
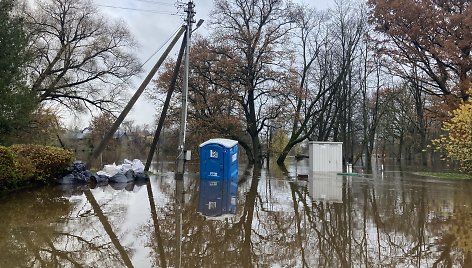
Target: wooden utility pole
<point x="162" y="118"/>
<point x="133" y="99"/>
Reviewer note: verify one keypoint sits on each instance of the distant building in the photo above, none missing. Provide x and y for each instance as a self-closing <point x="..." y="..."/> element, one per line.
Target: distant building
<point x="83" y="134"/>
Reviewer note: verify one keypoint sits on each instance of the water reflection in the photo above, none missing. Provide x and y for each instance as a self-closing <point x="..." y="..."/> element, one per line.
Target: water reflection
<point x="329" y="221"/>
<point x="324" y="186"/>
<point x="217" y="197"/>
<point x="108" y="228"/>
<point x="179" y="208"/>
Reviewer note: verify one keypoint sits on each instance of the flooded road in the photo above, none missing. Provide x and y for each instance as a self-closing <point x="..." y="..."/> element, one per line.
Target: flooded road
<point x="268" y="219"/>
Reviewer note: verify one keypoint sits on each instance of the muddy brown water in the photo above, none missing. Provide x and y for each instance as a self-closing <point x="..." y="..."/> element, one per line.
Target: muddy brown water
<point x="381" y="219"/>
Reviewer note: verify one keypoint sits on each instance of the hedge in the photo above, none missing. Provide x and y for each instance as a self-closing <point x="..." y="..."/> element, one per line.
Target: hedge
<point x="24" y="164"/>
<point x="8" y="175"/>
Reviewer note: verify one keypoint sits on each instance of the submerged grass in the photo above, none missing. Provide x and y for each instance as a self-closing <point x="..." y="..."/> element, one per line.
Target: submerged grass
<point x="445" y="175"/>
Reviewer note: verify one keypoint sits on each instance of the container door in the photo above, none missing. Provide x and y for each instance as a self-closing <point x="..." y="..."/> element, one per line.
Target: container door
<point x="214" y="162"/>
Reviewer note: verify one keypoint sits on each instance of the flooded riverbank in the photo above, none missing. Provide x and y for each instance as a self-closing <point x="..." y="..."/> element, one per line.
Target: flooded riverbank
<point x="270" y="219"/>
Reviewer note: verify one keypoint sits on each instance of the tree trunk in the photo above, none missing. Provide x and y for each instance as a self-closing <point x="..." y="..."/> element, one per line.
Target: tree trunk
<point x="257" y="151"/>
<point x="283" y="155"/>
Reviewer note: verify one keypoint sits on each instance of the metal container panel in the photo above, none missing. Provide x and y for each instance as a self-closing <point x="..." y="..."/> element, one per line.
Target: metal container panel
<point x="326" y="156"/>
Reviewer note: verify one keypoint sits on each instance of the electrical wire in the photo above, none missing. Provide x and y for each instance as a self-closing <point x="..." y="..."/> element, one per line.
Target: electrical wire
<point x="141" y="10"/>
<point x="155" y="2"/>
<point x="155" y="52"/>
<point x="167" y="41"/>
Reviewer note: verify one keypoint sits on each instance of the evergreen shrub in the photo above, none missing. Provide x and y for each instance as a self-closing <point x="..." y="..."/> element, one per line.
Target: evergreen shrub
<point x="41" y="163"/>
<point x="7" y="169"/>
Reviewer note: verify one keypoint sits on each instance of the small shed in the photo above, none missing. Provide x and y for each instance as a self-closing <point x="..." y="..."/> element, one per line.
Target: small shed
<point x="325" y="156"/>
<point x="219" y="159"/>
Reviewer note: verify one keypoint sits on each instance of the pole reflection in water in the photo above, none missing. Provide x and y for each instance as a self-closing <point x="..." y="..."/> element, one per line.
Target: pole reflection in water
<point x="157" y="229"/>
<point x="179" y="206"/>
<point x="108" y="228"/>
<point x="217" y="197"/>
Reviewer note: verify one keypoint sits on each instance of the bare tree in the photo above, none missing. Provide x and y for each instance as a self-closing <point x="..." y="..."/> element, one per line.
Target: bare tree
<point x="82" y="60"/>
<point x="252" y="34"/>
<point x="323" y="103"/>
<point x="307" y="98"/>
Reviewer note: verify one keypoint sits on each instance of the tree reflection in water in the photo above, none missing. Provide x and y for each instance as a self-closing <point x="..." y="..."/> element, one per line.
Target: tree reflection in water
<point x="367" y="221"/>
<point x="42" y="223"/>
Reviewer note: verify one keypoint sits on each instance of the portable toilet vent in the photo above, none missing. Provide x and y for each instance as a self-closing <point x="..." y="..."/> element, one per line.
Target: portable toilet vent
<point x="219" y="159"/>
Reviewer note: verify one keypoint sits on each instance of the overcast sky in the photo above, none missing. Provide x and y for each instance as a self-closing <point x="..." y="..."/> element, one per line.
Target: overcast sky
<point x="152" y="22"/>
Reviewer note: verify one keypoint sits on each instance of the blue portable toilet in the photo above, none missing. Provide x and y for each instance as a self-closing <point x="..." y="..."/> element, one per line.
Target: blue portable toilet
<point x="219" y="159"/>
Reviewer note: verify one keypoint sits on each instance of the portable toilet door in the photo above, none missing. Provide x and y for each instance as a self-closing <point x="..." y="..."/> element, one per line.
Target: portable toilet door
<point x="218" y="159"/>
<point x="212" y="162"/>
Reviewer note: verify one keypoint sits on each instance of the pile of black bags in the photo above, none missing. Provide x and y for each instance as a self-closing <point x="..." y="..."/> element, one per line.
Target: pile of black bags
<point x="78" y="173"/>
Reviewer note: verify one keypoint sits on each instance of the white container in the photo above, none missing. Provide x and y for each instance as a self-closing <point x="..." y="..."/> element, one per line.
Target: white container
<point x="325" y="156"/>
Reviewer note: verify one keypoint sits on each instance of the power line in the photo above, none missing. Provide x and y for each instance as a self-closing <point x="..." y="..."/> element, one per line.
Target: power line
<point x="155" y="2"/>
<point x="142" y="10"/>
<point x="155" y="52"/>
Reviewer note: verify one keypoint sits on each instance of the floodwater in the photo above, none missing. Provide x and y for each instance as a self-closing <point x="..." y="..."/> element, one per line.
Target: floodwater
<point x="268" y="219"/>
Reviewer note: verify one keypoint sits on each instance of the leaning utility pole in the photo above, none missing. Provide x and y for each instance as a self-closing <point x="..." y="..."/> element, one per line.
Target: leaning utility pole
<point x="133" y="100"/>
<point x="183" y="119"/>
<point x="162" y="118"/>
